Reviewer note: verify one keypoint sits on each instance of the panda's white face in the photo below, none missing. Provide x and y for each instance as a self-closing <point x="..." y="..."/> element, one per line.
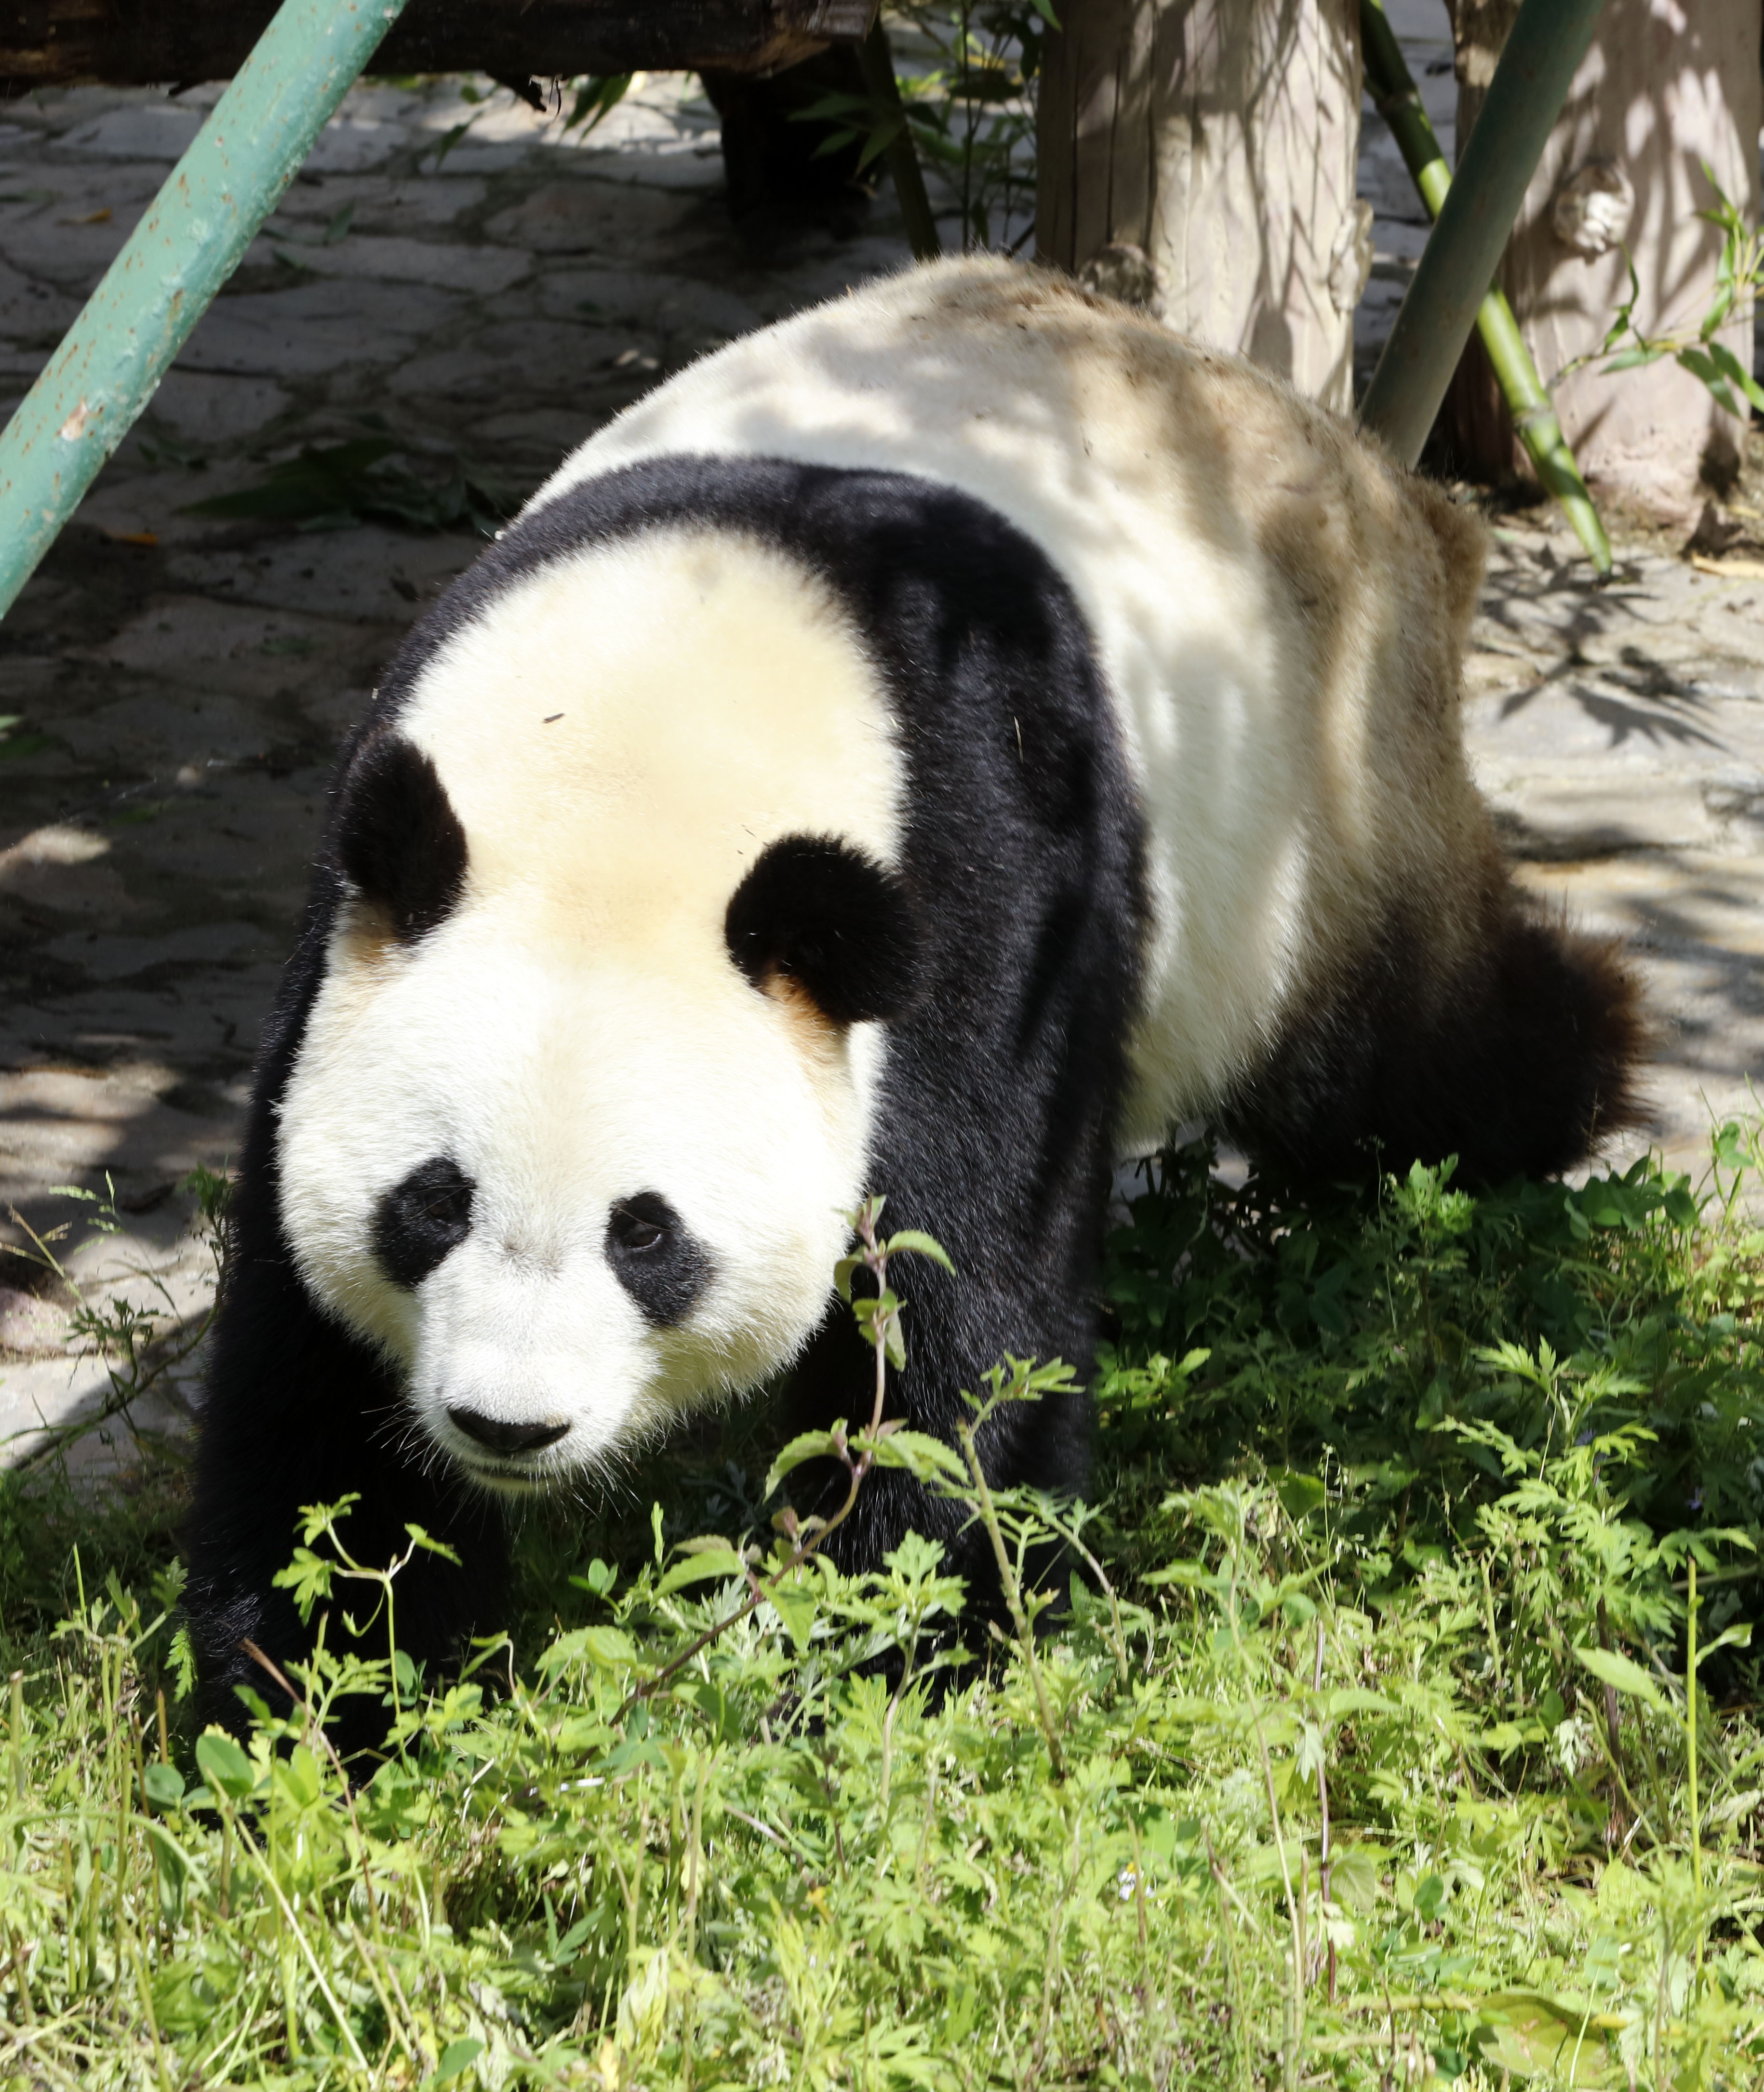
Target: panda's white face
<point x="549" y="1144"/>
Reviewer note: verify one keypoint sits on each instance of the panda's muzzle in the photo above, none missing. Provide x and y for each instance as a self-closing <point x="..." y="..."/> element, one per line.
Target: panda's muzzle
<point x="500" y="1436"/>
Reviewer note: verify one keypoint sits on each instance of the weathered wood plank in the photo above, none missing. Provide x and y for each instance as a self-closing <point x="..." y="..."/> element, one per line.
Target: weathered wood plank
<point x="1199" y="156"/>
<point x="61" y="43"/>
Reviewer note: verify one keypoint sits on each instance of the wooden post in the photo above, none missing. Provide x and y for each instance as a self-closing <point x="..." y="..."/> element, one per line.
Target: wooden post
<point x="1199" y="156"/>
<point x="1666" y="86"/>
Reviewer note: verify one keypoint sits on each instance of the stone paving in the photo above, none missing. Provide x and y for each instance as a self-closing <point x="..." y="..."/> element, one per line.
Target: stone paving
<point x="174" y="685"/>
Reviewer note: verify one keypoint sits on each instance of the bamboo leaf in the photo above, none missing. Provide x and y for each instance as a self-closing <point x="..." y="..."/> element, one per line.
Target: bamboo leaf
<point x="1632" y="358"/>
<point x="1702" y="366"/>
<point x="1730" y="367"/>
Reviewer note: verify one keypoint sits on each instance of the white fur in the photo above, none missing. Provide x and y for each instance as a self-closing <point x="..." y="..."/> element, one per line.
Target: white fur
<point x="574" y="1032"/>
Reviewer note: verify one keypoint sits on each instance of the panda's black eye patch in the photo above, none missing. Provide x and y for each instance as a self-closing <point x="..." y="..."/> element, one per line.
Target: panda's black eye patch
<point x="396" y="836"/>
<point x="656" y="1258"/>
<point x="816" y="912"/>
<point x="418" y="1221"/>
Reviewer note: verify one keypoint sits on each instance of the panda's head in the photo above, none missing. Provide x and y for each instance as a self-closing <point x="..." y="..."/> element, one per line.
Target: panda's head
<point x="587" y="1084"/>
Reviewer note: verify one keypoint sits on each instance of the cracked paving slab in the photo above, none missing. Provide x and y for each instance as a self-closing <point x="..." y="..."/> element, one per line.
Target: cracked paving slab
<point x="178" y="685"/>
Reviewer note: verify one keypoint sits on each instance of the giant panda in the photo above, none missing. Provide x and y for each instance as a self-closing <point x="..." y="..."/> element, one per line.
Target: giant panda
<point x="927" y="748"/>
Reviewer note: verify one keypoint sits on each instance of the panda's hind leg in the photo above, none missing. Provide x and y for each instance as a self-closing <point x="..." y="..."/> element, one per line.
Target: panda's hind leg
<point x="1519" y="1055"/>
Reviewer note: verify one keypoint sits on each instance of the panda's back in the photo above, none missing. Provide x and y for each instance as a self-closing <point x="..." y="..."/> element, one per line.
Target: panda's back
<point x="1276" y="611"/>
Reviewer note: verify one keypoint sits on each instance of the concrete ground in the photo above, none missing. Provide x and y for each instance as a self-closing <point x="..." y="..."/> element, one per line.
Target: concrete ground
<point x="173" y="685"/>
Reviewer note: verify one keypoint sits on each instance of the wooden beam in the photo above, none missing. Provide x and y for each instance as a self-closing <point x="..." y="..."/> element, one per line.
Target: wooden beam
<point x="126" y="43"/>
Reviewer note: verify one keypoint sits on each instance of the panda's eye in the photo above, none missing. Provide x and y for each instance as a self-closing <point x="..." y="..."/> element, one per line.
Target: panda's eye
<point x="420" y="1220"/>
<point x="634" y="1232"/>
<point x="656" y="1257"/>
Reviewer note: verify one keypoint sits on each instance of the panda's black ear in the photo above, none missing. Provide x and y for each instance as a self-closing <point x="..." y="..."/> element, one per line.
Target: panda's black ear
<point x="816" y="912"/>
<point x="395" y="835"/>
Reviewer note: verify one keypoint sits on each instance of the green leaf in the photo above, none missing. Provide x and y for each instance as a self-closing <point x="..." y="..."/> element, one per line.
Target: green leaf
<point x="794" y="1600"/>
<point x="915" y="1242"/>
<point x="879" y="139"/>
<point x="805" y="1446"/>
<point x="1702" y="366"/>
<point x="607" y="1649"/>
<point x="701" y="1567"/>
<point x="1731" y="368"/>
<point x="1734" y="1637"/>
<point x="1632" y="358"/>
<point x="1723" y="303"/>
<point x="1300" y="1495"/>
<point x="922" y="1455"/>
<point x="163" y="1785"/>
<point x="598" y="95"/>
<point x="1354" y="1877"/>
<point x="223" y="1765"/>
<point x="1531" y="2035"/>
<point x="829" y="106"/>
<point x="181" y="1657"/>
<point x="1611" y="1668"/>
<point x="308" y="1577"/>
<point x="458" y="2056"/>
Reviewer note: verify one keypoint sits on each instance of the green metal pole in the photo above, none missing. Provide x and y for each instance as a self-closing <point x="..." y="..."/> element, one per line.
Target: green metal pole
<point x="1534" y="416"/>
<point x="88" y="395"/>
<point x="1530" y="83"/>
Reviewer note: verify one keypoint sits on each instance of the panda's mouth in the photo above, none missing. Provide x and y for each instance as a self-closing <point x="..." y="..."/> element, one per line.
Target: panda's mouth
<point x="508" y="1478"/>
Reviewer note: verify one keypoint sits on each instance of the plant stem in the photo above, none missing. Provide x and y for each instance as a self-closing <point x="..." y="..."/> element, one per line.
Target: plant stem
<point x="1690" y="1726"/>
<point x="1324" y="1852"/>
<point x="1013" y="1590"/>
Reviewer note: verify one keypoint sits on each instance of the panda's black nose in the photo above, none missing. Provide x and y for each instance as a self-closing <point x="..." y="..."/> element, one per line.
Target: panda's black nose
<point x="501" y="1436"/>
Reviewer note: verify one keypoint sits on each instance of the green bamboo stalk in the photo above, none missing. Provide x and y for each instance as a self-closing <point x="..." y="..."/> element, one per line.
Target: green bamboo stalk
<point x="1398" y="103"/>
<point x="900" y="153"/>
<point x="1548" y="39"/>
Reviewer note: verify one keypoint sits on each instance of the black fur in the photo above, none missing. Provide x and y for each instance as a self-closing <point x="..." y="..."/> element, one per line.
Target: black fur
<point x="1518" y="1065"/>
<point x="816" y="910"/>
<point x="396" y="836"/>
<point x="656" y="1258"/>
<point x="418" y="1222"/>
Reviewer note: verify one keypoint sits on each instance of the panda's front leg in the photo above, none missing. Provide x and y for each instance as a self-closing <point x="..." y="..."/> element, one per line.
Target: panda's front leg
<point x="297" y="1412"/>
<point x="957" y="1326"/>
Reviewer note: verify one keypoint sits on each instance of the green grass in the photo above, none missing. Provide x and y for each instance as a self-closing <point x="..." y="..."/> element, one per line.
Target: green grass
<point x="1401" y="1509"/>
